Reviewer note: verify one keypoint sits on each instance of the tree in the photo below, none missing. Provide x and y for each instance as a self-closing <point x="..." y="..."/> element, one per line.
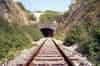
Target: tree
<point x="31" y="17"/>
<point x="48" y="16"/>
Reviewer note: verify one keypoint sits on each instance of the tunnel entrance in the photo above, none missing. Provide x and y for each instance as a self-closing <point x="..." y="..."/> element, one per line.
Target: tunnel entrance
<point x="47" y="32"/>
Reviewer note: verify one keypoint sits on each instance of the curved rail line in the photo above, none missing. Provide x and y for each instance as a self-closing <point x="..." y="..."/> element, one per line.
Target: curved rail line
<point x="66" y="59"/>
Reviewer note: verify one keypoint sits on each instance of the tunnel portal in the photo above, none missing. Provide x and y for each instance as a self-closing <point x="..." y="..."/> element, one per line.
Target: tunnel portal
<point x="48" y="29"/>
<point x="47" y="32"/>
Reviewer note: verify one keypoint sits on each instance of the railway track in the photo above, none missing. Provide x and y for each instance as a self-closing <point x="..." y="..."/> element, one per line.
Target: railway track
<point x="49" y="54"/>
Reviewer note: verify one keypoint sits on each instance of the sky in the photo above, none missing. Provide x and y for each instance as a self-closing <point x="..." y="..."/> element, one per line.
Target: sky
<point x="42" y="5"/>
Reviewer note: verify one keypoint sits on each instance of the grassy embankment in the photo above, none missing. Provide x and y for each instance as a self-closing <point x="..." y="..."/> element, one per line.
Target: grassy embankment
<point x="14" y="38"/>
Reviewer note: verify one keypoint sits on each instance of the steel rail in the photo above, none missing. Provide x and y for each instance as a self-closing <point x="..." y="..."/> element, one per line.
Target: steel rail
<point x="67" y="60"/>
<point x="34" y="55"/>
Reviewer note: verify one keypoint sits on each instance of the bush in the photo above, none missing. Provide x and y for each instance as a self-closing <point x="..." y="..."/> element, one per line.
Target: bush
<point x="87" y="32"/>
<point x="33" y="32"/>
<point x="89" y="38"/>
<point x="13" y="38"/>
<point x="76" y="34"/>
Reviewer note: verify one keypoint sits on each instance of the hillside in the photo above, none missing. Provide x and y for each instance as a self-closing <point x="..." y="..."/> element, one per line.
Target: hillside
<point x="80" y="25"/>
<point x="84" y="29"/>
<point x="11" y="11"/>
<point x="16" y="33"/>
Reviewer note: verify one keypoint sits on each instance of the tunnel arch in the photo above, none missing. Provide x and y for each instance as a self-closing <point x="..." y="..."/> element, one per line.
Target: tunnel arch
<point x="47" y="32"/>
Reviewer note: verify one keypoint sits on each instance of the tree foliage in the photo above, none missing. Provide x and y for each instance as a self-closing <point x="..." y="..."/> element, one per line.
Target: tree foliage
<point x="31" y="17"/>
<point x="49" y="16"/>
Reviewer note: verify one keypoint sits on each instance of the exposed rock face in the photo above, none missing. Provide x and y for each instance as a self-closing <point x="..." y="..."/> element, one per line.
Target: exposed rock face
<point x="11" y="11"/>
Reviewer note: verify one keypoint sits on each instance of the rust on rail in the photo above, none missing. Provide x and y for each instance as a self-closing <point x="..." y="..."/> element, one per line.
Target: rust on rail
<point x="35" y="54"/>
<point x="67" y="60"/>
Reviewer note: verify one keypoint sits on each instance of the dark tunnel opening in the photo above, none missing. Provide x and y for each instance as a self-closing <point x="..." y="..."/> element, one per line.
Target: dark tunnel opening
<point x="47" y="32"/>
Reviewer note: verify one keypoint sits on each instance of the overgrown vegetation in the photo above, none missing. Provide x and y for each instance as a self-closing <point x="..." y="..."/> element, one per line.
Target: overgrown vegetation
<point x="87" y="32"/>
<point x="14" y="38"/>
<point x="33" y="32"/>
<point x="49" y="16"/>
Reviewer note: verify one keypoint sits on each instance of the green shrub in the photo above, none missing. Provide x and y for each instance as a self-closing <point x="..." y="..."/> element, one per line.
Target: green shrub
<point x="89" y="39"/>
<point x="33" y="32"/>
<point x="12" y="40"/>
